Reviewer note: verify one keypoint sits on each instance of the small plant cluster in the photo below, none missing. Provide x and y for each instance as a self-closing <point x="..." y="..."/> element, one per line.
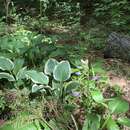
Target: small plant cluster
<point x="58" y="72"/>
<point x="55" y="98"/>
<point x="32" y="48"/>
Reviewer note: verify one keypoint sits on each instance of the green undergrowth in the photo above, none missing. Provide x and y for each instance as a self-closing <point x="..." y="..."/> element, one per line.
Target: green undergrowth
<point x="53" y="96"/>
<point x="47" y="82"/>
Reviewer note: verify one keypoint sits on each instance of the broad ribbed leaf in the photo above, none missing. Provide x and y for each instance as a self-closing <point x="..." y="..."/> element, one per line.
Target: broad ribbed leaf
<point x="56" y="88"/>
<point x="124" y="121"/>
<point x="37" y="88"/>
<point x="21" y="73"/>
<point x="118" y="105"/>
<point x="62" y="71"/>
<point x="72" y="86"/>
<point x="18" y="64"/>
<point x="49" y="66"/>
<point x="111" y="125"/>
<point x="6" y="64"/>
<point x="6" y="76"/>
<point x="97" y="96"/>
<point x="37" y="77"/>
<point x="92" y="122"/>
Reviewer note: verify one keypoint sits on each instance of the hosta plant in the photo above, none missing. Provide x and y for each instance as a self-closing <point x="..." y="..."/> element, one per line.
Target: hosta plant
<point x="60" y="73"/>
<point x="56" y="84"/>
<point x="56" y="76"/>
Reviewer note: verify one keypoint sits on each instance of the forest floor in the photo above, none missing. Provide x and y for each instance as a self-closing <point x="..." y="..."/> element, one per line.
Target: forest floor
<point x="117" y="71"/>
<point x="118" y="74"/>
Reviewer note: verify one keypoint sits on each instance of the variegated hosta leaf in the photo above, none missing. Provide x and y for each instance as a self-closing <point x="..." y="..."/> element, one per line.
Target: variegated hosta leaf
<point x="37" y="88"/>
<point x="62" y="71"/>
<point x="7" y="76"/>
<point x="49" y="66"/>
<point x="6" y="64"/>
<point x="21" y="73"/>
<point x="37" y="77"/>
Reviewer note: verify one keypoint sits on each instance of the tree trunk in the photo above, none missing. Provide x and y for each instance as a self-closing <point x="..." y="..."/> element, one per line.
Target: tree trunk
<point x="87" y="10"/>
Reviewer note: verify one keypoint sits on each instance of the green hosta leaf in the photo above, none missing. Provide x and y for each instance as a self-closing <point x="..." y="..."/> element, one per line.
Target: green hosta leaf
<point x="55" y="85"/>
<point x="71" y="86"/>
<point x="111" y="125"/>
<point x="6" y="64"/>
<point x="118" y="105"/>
<point x="49" y="66"/>
<point x="37" y="77"/>
<point x="97" y="96"/>
<point x="18" y="64"/>
<point x="56" y="88"/>
<point x="22" y="73"/>
<point x="62" y="71"/>
<point x="124" y="121"/>
<point x="37" y="88"/>
<point x="92" y="122"/>
<point x="6" y="76"/>
<point x="58" y="52"/>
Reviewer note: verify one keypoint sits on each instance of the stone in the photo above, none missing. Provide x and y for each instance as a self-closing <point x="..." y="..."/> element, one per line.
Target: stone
<point x="118" y="46"/>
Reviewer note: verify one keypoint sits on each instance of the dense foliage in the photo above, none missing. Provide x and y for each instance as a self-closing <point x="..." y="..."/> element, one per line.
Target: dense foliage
<point x="49" y="78"/>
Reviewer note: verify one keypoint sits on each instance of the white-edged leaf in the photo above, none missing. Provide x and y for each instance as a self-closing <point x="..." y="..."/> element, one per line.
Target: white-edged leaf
<point x="37" y="88"/>
<point x="62" y="71"/>
<point x="37" y="77"/>
<point x="18" y="64"/>
<point x="72" y="85"/>
<point x="21" y="73"/>
<point x="6" y="64"/>
<point x="50" y="65"/>
<point x="7" y="76"/>
<point x="56" y="87"/>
